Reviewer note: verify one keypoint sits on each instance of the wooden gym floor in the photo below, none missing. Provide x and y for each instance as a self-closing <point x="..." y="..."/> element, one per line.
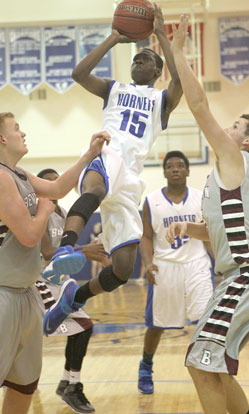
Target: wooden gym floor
<point x="109" y="371"/>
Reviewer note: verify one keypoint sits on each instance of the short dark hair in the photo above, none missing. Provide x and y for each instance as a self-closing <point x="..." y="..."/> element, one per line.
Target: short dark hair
<point x="246" y="116"/>
<point x="178" y="154"/>
<point x="3" y="116"/>
<point x="46" y="171"/>
<point x="159" y="61"/>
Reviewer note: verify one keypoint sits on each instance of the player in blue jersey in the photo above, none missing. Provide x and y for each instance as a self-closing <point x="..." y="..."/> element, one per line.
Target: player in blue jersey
<point x="134" y="114"/>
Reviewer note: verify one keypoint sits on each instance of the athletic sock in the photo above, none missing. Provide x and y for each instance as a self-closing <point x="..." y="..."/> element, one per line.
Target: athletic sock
<point x="147" y="358"/>
<point x="69" y="237"/>
<point x="74" y="377"/>
<point x="65" y="375"/>
<point x="83" y="293"/>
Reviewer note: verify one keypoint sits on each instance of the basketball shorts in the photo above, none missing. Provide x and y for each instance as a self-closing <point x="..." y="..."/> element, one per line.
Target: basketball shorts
<point x="223" y="330"/>
<point x="21" y="337"/>
<point x="121" y="221"/>
<point x="182" y="292"/>
<point x="75" y="323"/>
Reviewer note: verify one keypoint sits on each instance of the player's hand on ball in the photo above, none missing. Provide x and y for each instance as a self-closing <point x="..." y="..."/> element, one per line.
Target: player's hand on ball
<point x="180" y="33"/>
<point x="122" y="38"/>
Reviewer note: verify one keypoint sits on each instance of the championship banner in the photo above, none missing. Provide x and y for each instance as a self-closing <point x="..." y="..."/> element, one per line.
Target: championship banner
<point x="60" y="57"/>
<point x="3" y="76"/>
<point x="25" y="58"/>
<point x="234" y="48"/>
<point x="91" y="36"/>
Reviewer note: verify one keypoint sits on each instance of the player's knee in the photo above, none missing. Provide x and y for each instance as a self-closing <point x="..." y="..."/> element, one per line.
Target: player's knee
<point x="109" y="280"/>
<point x="123" y="270"/>
<point x="84" y="206"/>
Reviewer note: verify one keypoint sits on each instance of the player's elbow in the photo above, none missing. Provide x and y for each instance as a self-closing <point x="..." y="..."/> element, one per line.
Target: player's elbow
<point x="77" y="75"/>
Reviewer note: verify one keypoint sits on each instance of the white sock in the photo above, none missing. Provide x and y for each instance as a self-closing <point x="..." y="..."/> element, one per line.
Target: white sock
<point x="74" y="377"/>
<point x="65" y="375"/>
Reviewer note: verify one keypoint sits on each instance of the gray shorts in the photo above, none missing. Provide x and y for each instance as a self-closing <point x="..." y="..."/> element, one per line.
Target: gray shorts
<point x="21" y="338"/>
<point x="223" y="329"/>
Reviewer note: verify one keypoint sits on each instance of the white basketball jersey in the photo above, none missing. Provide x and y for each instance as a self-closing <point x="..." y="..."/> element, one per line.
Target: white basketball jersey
<point x="133" y="117"/>
<point x="163" y="212"/>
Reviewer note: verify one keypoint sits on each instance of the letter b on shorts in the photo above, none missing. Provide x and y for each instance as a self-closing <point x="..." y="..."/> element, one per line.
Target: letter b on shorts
<point x="206" y="357"/>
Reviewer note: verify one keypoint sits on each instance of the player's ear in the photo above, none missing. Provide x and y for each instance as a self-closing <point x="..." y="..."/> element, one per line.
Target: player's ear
<point x="2" y="139"/>
<point x="245" y="144"/>
<point x="158" y="72"/>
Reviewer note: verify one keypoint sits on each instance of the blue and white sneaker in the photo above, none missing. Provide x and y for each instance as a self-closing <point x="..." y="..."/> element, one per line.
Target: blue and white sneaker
<point x="65" y="261"/>
<point x="62" y="307"/>
<point x="145" y="383"/>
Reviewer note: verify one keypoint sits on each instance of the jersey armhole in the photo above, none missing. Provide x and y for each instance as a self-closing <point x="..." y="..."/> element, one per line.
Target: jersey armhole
<point x="108" y="94"/>
<point x="164" y="126"/>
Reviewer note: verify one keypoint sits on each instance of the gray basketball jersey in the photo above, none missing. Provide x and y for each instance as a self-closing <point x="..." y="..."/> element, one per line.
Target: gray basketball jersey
<point x="55" y="227"/>
<point x="226" y="213"/>
<point x="19" y="265"/>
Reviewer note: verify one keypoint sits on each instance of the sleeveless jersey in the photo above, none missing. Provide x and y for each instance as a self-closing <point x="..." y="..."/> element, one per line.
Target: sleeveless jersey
<point x="226" y="213"/>
<point x="55" y="227"/>
<point x="162" y="212"/>
<point x="133" y="116"/>
<point x="19" y="265"/>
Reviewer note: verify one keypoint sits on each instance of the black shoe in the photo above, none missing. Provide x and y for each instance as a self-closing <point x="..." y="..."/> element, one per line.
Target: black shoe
<point x="76" y="399"/>
<point x="61" y="387"/>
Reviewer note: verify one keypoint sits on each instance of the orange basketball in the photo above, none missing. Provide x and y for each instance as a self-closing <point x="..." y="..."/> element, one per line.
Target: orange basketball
<point x="134" y="18"/>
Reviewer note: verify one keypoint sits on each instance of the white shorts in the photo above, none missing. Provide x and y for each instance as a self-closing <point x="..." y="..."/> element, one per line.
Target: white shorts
<point x="121" y="221"/>
<point x="182" y="292"/>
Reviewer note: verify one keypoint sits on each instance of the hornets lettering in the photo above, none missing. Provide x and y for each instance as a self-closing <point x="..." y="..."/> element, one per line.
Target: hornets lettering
<point x="186" y="217"/>
<point x="135" y="102"/>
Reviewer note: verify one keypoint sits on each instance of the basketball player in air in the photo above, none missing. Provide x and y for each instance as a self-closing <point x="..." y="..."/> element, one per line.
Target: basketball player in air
<point x="223" y="330"/>
<point x="134" y="114"/>
<point x="23" y="221"/>
<point x="179" y="273"/>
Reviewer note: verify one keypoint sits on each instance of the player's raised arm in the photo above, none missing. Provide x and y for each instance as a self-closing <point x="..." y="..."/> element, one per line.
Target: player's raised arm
<point x="226" y="149"/>
<point x="82" y="72"/>
<point x="174" y="91"/>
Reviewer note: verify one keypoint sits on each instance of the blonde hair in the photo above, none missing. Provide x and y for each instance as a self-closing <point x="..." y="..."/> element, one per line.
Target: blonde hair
<point x="3" y="116"/>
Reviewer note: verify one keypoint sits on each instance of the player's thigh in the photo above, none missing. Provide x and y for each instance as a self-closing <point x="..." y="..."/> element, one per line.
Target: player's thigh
<point x="198" y="287"/>
<point x="94" y="183"/>
<point x="123" y="259"/>
<point x="167" y="302"/>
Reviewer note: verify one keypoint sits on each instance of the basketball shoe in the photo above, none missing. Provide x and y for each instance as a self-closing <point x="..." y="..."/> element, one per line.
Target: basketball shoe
<point x="65" y="305"/>
<point x="65" y="261"/>
<point x="76" y="399"/>
<point x="61" y="387"/>
<point x="145" y="383"/>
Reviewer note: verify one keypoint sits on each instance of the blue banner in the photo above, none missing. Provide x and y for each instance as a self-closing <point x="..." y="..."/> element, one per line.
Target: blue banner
<point x="234" y="48"/>
<point x="91" y="36"/>
<point x="25" y="58"/>
<point x="60" y="57"/>
<point x="3" y="79"/>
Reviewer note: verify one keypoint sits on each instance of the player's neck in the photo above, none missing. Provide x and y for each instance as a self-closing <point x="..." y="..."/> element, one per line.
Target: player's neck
<point x="176" y="193"/>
